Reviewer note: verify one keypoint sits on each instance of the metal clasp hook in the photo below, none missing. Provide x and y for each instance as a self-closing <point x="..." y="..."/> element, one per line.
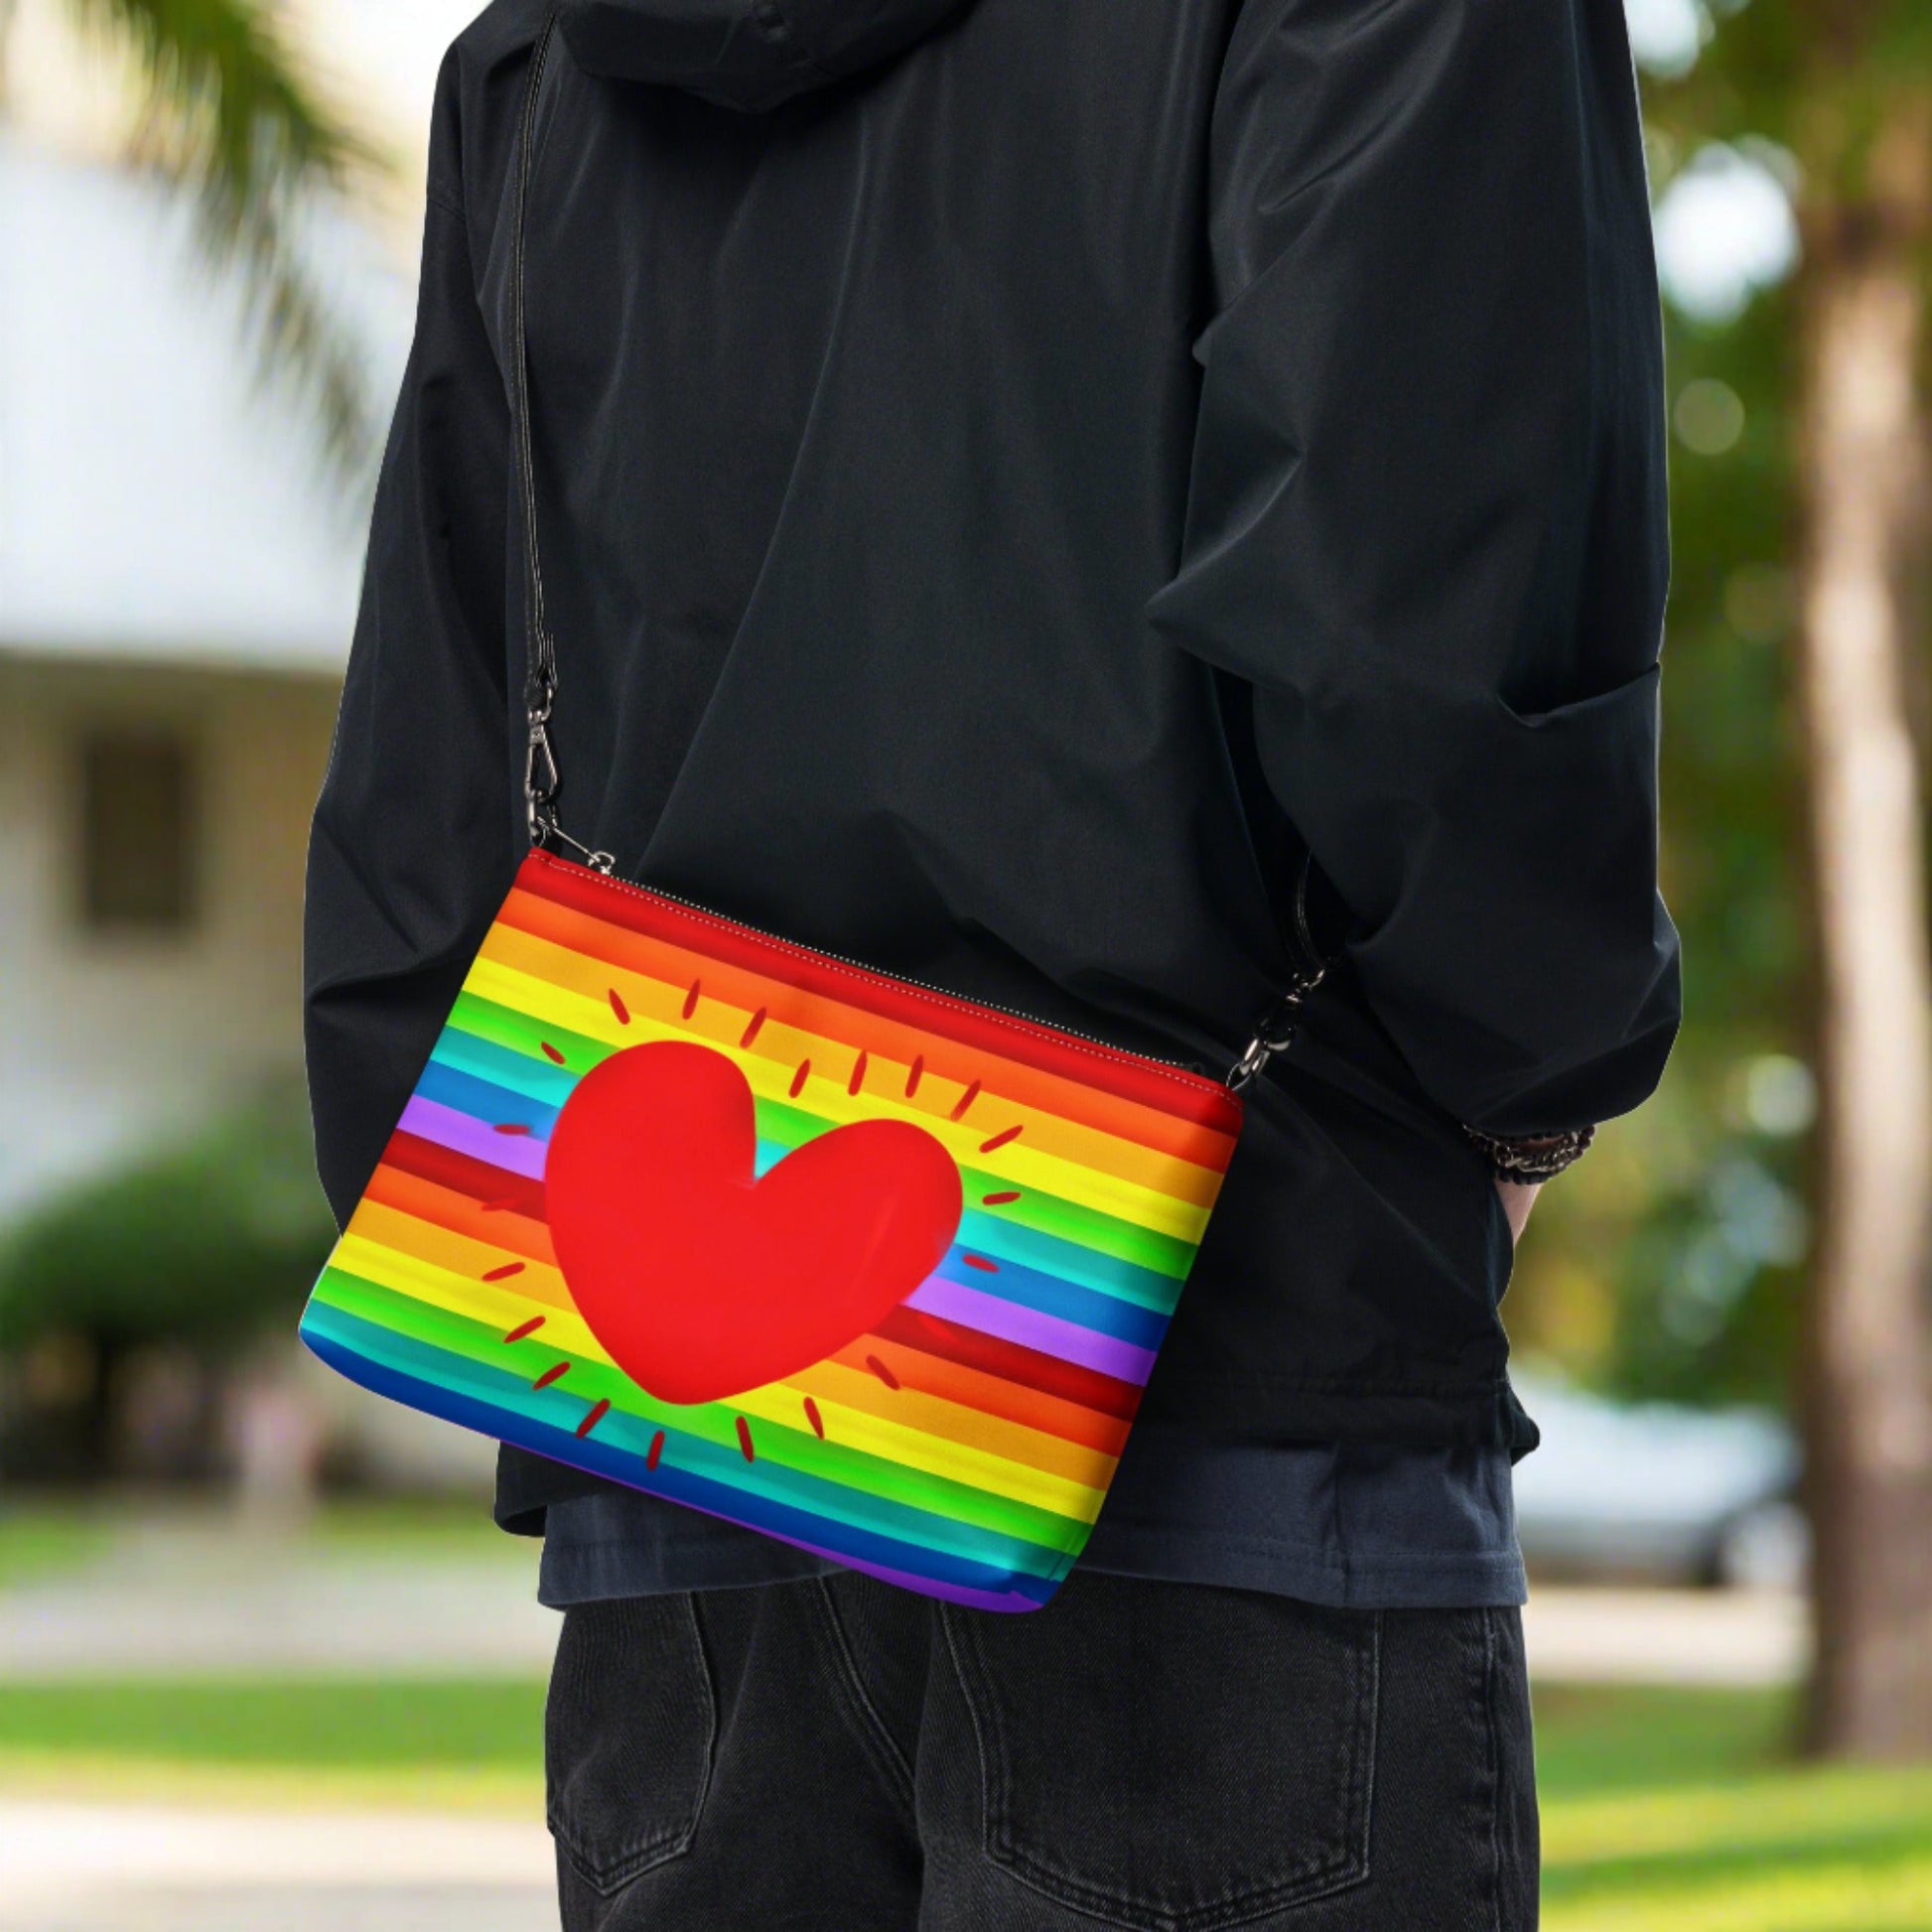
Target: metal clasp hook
<point x="540" y="778"/>
<point x="1276" y="1033"/>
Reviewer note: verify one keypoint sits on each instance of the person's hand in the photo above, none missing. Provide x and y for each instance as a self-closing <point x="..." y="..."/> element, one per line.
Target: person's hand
<point x="1518" y="1197"/>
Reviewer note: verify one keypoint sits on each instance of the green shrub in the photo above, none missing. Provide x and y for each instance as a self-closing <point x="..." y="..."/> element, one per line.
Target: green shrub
<point x="206" y="1242"/>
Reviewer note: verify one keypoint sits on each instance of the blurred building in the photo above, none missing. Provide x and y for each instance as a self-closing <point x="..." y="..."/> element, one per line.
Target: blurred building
<point x="177" y="580"/>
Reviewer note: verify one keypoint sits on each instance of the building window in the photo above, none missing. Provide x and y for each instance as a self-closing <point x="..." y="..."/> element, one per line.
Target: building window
<point x="137" y="832"/>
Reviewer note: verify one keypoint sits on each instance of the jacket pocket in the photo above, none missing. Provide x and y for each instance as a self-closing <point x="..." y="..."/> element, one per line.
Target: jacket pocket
<point x="627" y="1727"/>
<point x="1170" y="1758"/>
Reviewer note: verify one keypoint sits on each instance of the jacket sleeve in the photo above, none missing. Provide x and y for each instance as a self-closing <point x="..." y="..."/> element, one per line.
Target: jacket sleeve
<point x="413" y="843"/>
<point x="1426" y="521"/>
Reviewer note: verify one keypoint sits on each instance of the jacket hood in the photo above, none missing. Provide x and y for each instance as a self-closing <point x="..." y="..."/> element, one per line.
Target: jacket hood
<point x="750" y="55"/>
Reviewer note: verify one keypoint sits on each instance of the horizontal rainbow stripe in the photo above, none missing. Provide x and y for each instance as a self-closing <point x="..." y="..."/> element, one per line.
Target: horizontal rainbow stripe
<point x="964" y="1447"/>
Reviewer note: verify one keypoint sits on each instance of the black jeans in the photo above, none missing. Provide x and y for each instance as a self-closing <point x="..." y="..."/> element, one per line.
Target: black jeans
<point x="840" y="1755"/>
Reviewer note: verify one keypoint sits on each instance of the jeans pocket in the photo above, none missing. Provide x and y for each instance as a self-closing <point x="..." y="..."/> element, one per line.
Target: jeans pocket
<point x="627" y="1731"/>
<point x="1172" y="1758"/>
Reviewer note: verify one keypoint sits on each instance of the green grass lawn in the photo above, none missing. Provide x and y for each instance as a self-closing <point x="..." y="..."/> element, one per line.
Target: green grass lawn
<point x="42" y="1536"/>
<point x="1679" y="1811"/>
<point x="43" y="1542"/>
<point x="1664" y="1811"/>
<point x="468" y="1746"/>
<point x="491" y="1723"/>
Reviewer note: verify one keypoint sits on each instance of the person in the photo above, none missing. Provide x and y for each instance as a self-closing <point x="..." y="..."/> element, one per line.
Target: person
<point x="1094" y="507"/>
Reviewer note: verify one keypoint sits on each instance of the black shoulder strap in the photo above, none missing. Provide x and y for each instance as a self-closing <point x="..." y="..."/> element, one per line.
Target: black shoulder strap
<point x="541" y="777"/>
<point x="542" y="647"/>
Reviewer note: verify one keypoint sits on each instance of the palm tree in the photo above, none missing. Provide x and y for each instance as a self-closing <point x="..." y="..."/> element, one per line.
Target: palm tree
<point x="1845" y="87"/>
<point x="1862" y="501"/>
<point x="228" y="117"/>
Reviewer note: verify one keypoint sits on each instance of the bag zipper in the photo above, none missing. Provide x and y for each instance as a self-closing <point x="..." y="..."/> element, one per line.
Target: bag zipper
<point x="1181" y="1068"/>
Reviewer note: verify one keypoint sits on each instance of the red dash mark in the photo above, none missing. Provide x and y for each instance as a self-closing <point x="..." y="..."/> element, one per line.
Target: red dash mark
<point x="965" y="1100"/>
<point x="496" y="1206"/>
<point x="619" y="1008"/>
<point x="880" y="1369"/>
<point x="513" y="1127"/>
<point x="503" y="1273"/>
<point x="745" y="1438"/>
<point x="857" y="1079"/>
<point x="1000" y="1139"/>
<point x="597" y="1414"/>
<point x="655" y="1451"/>
<point x="999" y="1200"/>
<point x="751" y="1032"/>
<point x="551" y="1051"/>
<point x="798" y="1079"/>
<point x="691" y="1000"/>
<point x="527" y="1329"/>
<point x="815" y="1419"/>
<point x="913" y="1073"/>
<point x="981" y="1262"/>
<point x="550" y="1375"/>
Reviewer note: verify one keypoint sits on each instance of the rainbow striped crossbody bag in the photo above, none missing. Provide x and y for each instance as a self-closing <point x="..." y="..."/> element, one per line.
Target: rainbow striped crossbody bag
<point x="867" y="1267"/>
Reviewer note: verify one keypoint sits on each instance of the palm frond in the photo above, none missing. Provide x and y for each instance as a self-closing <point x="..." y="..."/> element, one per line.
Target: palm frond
<point x="229" y="115"/>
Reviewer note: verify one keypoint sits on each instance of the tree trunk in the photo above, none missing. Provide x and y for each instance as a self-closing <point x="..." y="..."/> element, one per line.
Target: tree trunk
<point x="1868" y="1345"/>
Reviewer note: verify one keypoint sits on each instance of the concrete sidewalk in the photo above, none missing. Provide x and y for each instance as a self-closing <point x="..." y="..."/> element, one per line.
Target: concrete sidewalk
<point x="204" y="1595"/>
<point x="71" y="1868"/>
<point x="1735" y="1638"/>
<point x="208" y="1602"/>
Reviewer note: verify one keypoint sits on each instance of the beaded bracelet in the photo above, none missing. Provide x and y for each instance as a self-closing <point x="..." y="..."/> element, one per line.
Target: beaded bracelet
<point x="1533" y="1158"/>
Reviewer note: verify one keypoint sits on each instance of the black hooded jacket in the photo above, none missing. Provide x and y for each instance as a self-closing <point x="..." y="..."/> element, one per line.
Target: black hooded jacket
<point x="1015" y="475"/>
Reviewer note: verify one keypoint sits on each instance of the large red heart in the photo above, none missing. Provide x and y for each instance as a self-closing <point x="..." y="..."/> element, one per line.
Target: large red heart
<point x="702" y="1280"/>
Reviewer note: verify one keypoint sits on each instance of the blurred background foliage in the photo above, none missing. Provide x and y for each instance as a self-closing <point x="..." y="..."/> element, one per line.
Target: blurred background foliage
<point x="231" y="116"/>
<point x="1667" y="1264"/>
<point x="140" y="1288"/>
<point x="205" y="1242"/>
